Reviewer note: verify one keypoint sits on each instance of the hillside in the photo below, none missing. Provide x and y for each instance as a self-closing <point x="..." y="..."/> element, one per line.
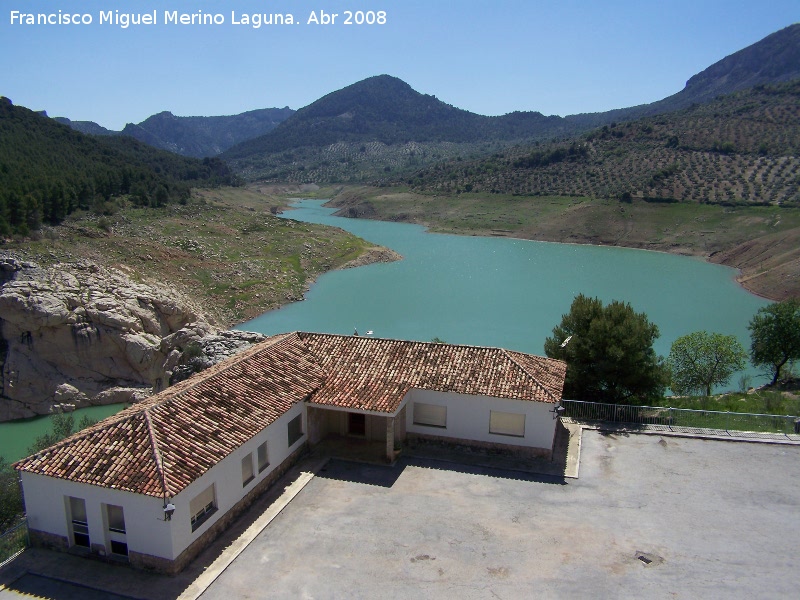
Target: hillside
<point x="736" y="149"/>
<point x="376" y="123"/>
<point x="198" y="137"/>
<point x="48" y="170"/>
<point x="382" y="126"/>
<point x="223" y="249"/>
<point x="144" y="292"/>
<point x="774" y="59"/>
<point x="205" y="136"/>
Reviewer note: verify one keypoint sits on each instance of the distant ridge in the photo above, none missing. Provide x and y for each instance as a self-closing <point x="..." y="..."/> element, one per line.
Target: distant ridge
<point x="381" y="124"/>
<point x="388" y="110"/>
<point x="774" y="59"/>
<point x="199" y="137"/>
<point x="48" y="171"/>
<point x="88" y="127"/>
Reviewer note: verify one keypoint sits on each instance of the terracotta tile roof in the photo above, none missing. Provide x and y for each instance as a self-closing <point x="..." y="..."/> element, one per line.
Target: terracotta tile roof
<point x="374" y="374"/>
<point x="160" y="445"/>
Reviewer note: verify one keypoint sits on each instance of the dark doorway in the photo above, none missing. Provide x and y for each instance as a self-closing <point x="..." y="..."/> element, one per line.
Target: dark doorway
<point x="357" y="424"/>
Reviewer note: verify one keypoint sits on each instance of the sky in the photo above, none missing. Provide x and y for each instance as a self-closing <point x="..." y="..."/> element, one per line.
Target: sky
<point x="487" y="56"/>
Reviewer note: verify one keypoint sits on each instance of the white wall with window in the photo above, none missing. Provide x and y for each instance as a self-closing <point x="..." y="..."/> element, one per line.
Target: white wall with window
<point x="480" y="418"/>
<point x="48" y="507"/>
<point x="116" y="530"/>
<point x="248" y="473"/>
<point x="262" y="456"/>
<point x="227" y="477"/>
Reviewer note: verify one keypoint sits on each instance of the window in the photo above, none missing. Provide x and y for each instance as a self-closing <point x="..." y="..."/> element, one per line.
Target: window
<point x="203" y="506"/>
<point x="116" y="518"/>
<point x="263" y="457"/>
<point x="247" y="469"/>
<point x="79" y="522"/>
<point x="503" y="423"/>
<point x="295" y="428"/>
<point x="118" y="547"/>
<point x="430" y="415"/>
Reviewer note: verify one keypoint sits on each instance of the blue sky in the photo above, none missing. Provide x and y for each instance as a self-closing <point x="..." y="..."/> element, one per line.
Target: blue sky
<point x="490" y="57"/>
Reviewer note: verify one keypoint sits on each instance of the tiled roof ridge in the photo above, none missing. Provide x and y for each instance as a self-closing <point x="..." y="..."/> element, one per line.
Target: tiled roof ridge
<point x="178" y="390"/>
<point x="78" y="435"/>
<point x="509" y="353"/>
<point x="156" y="454"/>
<point x="370" y="337"/>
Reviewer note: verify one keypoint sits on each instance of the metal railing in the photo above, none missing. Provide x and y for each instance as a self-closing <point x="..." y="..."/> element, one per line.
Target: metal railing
<point x="665" y="418"/>
<point x="13" y="541"/>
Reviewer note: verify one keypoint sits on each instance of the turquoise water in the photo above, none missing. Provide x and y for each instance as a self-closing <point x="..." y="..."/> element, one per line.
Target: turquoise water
<point x="505" y="292"/>
<point x="17" y="436"/>
<point x="485" y="291"/>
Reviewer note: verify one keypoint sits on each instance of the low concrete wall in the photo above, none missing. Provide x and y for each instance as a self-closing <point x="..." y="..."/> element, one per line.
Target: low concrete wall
<point x="43" y="539"/>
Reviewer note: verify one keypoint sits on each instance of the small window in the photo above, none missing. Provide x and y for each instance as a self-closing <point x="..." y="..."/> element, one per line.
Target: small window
<point x="203" y="506"/>
<point x="263" y="457"/>
<point x="120" y="548"/>
<point x="79" y="522"/>
<point x="247" y="469"/>
<point x="503" y="423"/>
<point x="430" y="415"/>
<point x="295" y="429"/>
<point x="116" y="518"/>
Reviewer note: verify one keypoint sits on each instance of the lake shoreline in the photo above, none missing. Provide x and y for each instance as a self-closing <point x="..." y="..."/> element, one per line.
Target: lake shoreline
<point x="765" y="263"/>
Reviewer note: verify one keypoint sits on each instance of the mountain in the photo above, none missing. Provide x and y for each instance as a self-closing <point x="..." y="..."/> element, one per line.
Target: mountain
<point x="382" y="125"/>
<point x="386" y="109"/>
<point x="205" y="136"/>
<point x="736" y="149"/>
<point x="48" y="170"/>
<point x="193" y="136"/>
<point x="379" y="124"/>
<point x="774" y="59"/>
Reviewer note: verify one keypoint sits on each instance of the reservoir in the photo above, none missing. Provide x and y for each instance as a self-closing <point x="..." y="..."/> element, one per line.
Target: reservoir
<point x="505" y="292"/>
<point x="487" y="292"/>
<point x="17" y="436"/>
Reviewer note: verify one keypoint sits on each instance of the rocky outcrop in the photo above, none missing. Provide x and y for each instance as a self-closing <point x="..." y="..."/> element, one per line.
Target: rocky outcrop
<point x="78" y="334"/>
<point x="376" y="254"/>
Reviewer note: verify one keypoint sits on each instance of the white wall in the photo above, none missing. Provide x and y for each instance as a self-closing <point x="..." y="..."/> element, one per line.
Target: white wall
<point x="468" y="418"/>
<point x="146" y="531"/>
<point x="227" y="477"/>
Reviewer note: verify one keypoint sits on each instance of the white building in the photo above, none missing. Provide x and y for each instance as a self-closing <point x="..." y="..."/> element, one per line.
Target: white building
<point x="205" y="448"/>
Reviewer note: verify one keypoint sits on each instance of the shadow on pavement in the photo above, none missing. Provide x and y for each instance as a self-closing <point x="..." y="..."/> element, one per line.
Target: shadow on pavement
<point x="386" y="476"/>
<point x="38" y="586"/>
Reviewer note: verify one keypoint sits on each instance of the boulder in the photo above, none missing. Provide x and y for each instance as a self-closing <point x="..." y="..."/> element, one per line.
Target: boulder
<point x="77" y="334"/>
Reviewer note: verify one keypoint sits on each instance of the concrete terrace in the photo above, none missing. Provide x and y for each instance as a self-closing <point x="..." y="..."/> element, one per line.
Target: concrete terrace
<point x="650" y="516"/>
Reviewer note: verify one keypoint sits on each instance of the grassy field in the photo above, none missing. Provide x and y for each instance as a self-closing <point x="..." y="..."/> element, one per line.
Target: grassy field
<point x="760" y="240"/>
<point x="766" y="402"/>
<point x="224" y="249"/>
<point x="763" y="410"/>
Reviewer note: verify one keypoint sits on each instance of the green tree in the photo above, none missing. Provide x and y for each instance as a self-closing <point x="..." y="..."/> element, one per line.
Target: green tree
<point x="609" y="353"/>
<point x="10" y="496"/>
<point x="775" y="336"/>
<point x="63" y="427"/>
<point x="11" y="505"/>
<point x="701" y="360"/>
